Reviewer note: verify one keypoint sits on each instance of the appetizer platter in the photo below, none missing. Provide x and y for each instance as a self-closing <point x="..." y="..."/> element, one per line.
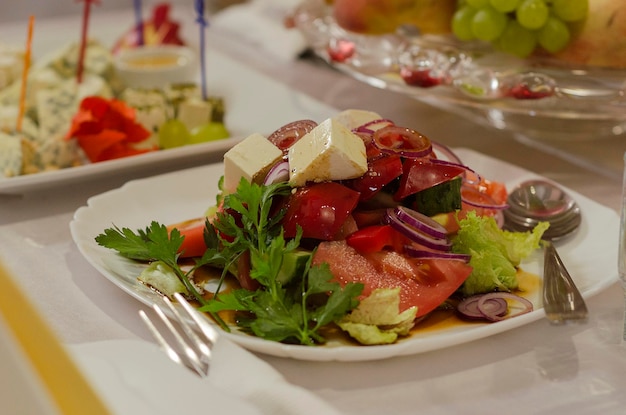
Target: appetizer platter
<point x="559" y="74"/>
<point x="43" y="150"/>
<point x="76" y="106"/>
<point x="384" y="258"/>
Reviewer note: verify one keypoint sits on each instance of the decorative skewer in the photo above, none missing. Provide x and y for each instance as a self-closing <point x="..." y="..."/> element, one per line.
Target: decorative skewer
<point x="83" y="40"/>
<point x="27" y="54"/>
<point x="202" y="24"/>
<point x="139" y="22"/>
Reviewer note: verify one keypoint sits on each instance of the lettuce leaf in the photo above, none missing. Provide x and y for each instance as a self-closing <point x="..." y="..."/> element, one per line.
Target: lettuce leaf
<point x="495" y="253"/>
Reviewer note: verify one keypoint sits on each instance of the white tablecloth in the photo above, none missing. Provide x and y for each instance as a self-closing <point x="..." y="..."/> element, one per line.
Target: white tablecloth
<point x="537" y="369"/>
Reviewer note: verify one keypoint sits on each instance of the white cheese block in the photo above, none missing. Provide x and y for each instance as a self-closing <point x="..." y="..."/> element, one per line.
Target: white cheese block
<point x="194" y="113"/>
<point x="328" y="152"/>
<point x="250" y="159"/>
<point x="355" y="118"/>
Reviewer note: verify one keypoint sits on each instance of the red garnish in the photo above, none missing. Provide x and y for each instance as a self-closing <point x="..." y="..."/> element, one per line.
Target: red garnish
<point x="106" y="129"/>
<point x="340" y="50"/>
<point x="158" y="30"/>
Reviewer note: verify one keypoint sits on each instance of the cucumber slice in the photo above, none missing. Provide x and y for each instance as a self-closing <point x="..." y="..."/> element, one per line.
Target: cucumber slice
<point x="442" y="198"/>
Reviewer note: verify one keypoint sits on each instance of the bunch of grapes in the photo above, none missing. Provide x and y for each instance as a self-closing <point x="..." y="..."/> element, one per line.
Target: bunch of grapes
<point x="519" y="26"/>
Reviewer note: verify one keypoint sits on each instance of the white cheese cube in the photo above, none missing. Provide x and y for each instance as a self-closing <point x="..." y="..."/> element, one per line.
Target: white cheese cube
<point x="251" y="159"/>
<point x="328" y="152"/>
<point x="356" y="118"/>
<point x="194" y="113"/>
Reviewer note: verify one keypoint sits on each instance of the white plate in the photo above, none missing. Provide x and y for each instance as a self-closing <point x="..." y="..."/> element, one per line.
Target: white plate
<point x="246" y="113"/>
<point x="591" y="255"/>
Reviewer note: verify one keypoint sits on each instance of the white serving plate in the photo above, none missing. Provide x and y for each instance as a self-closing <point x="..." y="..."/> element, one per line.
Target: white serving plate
<point x="591" y="255"/>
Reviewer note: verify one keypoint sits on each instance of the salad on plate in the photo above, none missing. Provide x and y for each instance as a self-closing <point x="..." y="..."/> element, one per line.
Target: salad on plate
<point x="353" y="227"/>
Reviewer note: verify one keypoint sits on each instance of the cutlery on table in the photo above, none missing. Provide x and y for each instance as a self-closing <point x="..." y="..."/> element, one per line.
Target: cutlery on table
<point x="188" y="345"/>
<point x="535" y="201"/>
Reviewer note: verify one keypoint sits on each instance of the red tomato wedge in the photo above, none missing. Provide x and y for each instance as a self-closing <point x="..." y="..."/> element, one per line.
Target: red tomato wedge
<point x="193" y="230"/>
<point x="423" y="283"/>
<point x="420" y="174"/>
<point x="380" y="172"/>
<point x="320" y="209"/>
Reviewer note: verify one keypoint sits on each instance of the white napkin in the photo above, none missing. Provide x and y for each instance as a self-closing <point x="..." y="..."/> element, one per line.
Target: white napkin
<point x="136" y="377"/>
<point x="261" y="23"/>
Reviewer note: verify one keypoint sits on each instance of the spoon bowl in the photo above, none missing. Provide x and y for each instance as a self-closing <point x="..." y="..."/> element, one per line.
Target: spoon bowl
<point x="535" y="201"/>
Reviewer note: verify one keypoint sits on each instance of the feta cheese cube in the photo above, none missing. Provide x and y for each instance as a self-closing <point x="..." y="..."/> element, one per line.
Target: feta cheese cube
<point x="194" y="113"/>
<point x="328" y="152"/>
<point x="356" y="118"/>
<point x="251" y="158"/>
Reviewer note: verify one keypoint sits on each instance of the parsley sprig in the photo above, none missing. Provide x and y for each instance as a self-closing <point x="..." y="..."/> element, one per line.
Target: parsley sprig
<point x="249" y="221"/>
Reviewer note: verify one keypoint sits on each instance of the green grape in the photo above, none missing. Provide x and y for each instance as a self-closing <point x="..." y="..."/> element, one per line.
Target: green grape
<point x="488" y="24"/>
<point x="554" y="36"/>
<point x="478" y="4"/>
<point x="462" y="23"/>
<point x="517" y="40"/>
<point x="570" y="10"/>
<point x="532" y="14"/>
<point x="173" y="133"/>
<point x="209" y="132"/>
<point x="504" y="6"/>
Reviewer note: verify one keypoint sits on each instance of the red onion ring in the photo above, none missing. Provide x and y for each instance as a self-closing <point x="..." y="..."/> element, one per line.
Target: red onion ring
<point x="279" y="172"/>
<point x="411" y="145"/>
<point x="365" y="127"/>
<point x="288" y="134"/>
<point x="493" y="206"/>
<point x="468" y="308"/>
<point x="439" y="244"/>
<point x="446" y="152"/>
<point x="485" y="305"/>
<point x="424" y="254"/>
<point x="420" y="222"/>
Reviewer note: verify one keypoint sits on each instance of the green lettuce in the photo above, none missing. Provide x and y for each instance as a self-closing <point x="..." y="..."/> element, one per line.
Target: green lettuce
<point x="495" y="253"/>
<point x="377" y="319"/>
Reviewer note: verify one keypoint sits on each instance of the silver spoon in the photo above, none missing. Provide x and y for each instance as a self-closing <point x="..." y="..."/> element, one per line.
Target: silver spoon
<point x="538" y="200"/>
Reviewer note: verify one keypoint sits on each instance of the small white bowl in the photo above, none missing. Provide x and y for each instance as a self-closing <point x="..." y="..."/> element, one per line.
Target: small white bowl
<point x="156" y="66"/>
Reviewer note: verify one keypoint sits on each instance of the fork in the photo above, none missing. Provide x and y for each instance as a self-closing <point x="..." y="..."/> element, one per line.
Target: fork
<point x="193" y="340"/>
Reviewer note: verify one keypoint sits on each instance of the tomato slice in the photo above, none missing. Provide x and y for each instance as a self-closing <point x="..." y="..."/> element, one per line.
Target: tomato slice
<point x="193" y="230"/>
<point x="420" y="174"/>
<point x="425" y="284"/>
<point x="380" y="172"/>
<point x="319" y="209"/>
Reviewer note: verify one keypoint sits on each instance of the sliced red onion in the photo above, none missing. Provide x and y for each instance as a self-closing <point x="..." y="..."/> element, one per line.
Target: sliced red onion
<point x="412" y="144"/>
<point x="527" y="305"/>
<point x="288" y="134"/>
<point x="278" y="173"/>
<point x="444" y="150"/>
<point x="365" y="128"/>
<point x="468" y="308"/>
<point x="421" y="222"/>
<point x="440" y="244"/>
<point x="424" y="254"/>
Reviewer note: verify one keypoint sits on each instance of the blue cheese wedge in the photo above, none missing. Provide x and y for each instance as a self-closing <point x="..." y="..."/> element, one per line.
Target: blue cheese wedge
<point x="355" y="118"/>
<point x="251" y="159"/>
<point x="17" y="155"/>
<point x="328" y="152"/>
<point x="10" y="155"/>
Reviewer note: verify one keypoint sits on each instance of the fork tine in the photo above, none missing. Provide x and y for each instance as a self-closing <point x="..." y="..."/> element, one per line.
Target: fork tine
<point x="171" y="353"/>
<point x="200" y="346"/>
<point x="209" y="332"/>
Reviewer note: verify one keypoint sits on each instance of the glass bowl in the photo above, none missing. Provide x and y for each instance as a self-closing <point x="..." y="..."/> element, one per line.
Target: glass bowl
<point x="539" y="97"/>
